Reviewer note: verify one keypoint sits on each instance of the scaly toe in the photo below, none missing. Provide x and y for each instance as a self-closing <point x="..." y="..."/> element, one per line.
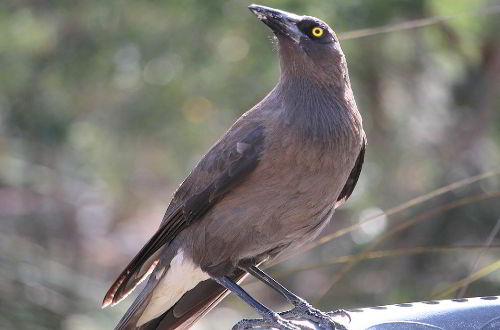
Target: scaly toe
<point x="273" y="322"/>
<point x="322" y="319"/>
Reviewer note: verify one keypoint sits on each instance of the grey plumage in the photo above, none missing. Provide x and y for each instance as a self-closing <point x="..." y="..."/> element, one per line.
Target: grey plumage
<point x="271" y="183"/>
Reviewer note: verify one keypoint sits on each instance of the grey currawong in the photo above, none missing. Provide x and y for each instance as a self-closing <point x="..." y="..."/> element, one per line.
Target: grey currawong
<point x="271" y="183"/>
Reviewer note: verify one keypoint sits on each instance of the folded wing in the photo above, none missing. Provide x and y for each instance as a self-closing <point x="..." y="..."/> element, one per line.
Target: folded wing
<point x="226" y="165"/>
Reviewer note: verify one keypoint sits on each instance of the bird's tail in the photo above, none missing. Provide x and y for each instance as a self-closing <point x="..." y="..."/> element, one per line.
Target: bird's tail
<point x="192" y="306"/>
<point x="129" y="320"/>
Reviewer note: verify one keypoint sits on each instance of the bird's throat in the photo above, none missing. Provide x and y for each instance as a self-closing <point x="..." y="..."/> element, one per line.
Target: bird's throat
<point x="317" y="112"/>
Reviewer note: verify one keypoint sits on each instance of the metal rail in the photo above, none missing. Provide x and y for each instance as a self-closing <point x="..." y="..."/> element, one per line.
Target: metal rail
<point x="468" y="313"/>
<point x="480" y="313"/>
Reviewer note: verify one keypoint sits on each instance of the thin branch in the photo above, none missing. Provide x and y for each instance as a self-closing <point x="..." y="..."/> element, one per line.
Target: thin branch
<point x="379" y="254"/>
<point x="467" y="280"/>
<point x="406" y="224"/>
<point x="414" y="24"/>
<point x="487" y="244"/>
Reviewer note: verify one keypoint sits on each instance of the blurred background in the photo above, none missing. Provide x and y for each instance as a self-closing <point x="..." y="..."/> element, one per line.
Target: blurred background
<point x="105" y="106"/>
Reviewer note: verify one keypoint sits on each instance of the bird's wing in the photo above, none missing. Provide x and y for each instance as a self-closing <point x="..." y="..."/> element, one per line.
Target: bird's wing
<point x="226" y="165"/>
<point x="353" y="176"/>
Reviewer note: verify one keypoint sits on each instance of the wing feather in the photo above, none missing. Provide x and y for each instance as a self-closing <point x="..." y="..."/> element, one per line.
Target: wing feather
<point x="353" y="176"/>
<point x="224" y="167"/>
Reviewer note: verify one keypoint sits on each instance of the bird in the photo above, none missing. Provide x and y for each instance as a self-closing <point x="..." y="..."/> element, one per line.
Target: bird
<point x="270" y="184"/>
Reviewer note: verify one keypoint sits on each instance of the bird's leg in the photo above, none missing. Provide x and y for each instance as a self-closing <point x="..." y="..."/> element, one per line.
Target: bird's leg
<point x="302" y="309"/>
<point x="269" y="319"/>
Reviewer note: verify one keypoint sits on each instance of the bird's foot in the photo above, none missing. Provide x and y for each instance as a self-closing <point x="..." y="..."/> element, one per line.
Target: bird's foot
<point x="326" y="321"/>
<point x="273" y="321"/>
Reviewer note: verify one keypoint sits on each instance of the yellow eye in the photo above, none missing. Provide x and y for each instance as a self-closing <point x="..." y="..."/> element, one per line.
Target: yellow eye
<point x="317" y="32"/>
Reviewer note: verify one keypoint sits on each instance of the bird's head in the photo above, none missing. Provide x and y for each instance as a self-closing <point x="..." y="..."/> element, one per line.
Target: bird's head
<point x="306" y="44"/>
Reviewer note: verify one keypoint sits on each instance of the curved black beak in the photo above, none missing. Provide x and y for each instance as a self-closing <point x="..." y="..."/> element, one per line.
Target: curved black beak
<point x="281" y="22"/>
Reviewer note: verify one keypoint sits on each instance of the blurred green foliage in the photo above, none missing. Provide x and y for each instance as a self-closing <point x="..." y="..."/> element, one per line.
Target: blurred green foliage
<point x="106" y="105"/>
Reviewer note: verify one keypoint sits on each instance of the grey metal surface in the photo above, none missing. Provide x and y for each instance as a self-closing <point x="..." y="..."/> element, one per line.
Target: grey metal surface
<point x="468" y="313"/>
